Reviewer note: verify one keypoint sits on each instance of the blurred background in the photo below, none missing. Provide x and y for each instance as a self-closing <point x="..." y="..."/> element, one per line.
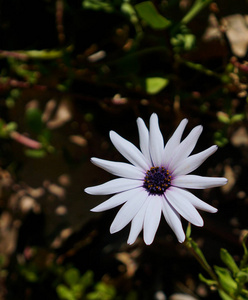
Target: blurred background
<point x="71" y="71"/>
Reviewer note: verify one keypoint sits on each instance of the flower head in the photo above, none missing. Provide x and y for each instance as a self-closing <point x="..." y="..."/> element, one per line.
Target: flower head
<point x="155" y="182"/>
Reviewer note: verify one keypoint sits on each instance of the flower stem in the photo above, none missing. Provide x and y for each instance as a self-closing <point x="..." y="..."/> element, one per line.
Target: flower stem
<point x="197" y="253"/>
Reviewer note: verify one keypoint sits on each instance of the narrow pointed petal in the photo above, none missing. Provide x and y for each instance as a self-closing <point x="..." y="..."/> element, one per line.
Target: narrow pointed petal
<point x="144" y="140"/>
<point x="173" y="142"/>
<point x="193" y="162"/>
<point x="183" y="207"/>
<point x="156" y="141"/>
<point x="116" y="200"/>
<point x="173" y="219"/>
<point x="119" y="168"/>
<point x="198" y="182"/>
<point x="128" y="211"/>
<point x="129" y="151"/>
<point x="185" y="148"/>
<point x="198" y="203"/>
<point x="137" y="223"/>
<point x="114" y="186"/>
<point x="152" y="218"/>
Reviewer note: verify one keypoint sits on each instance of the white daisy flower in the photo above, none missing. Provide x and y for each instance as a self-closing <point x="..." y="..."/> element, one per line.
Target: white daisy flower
<point x="155" y="182"/>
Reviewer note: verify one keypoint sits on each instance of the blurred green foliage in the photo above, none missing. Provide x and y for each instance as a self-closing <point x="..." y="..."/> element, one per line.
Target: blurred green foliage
<point x="230" y="281"/>
<point x="76" y="285"/>
<point x="66" y="280"/>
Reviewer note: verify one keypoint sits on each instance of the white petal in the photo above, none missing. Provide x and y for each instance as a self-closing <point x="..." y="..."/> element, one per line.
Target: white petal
<point x="193" y="162"/>
<point x="119" y="168"/>
<point x="185" y="148"/>
<point x="156" y="141"/>
<point x="152" y="218"/>
<point x="128" y="211"/>
<point x="183" y="207"/>
<point x="198" y="182"/>
<point x="129" y="151"/>
<point x="137" y="223"/>
<point x="144" y="140"/>
<point x="198" y="203"/>
<point x="173" y="142"/>
<point x="116" y="200"/>
<point x="114" y="186"/>
<point x="173" y="219"/>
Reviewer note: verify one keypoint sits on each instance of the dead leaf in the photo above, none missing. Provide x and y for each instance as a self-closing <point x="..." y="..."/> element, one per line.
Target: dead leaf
<point x="236" y="28"/>
<point x="62" y="115"/>
<point x="240" y="137"/>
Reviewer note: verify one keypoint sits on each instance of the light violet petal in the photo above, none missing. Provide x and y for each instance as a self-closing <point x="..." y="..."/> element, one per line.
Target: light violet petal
<point x="183" y="207"/>
<point x="198" y="182"/>
<point x="198" y="203"/>
<point x="128" y="211"/>
<point x="156" y="141"/>
<point x="144" y="140"/>
<point x="119" y="168"/>
<point x="193" y="162"/>
<point x="129" y="151"/>
<point x="173" y="219"/>
<point x="173" y="142"/>
<point x="152" y="218"/>
<point x="137" y="223"/>
<point x="114" y="186"/>
<point x="116" y="200"/>
<point x="185" y="148"/>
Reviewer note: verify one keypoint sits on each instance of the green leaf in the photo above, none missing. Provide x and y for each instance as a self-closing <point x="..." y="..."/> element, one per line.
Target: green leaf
<point x="35" y="153"/>
<point x="237" y="118"/>
<point x="105" y="288"/>
<point x="97" y="5"/>
<point x="2" y="260"/>
<point x="223" y="117"/>
<point x="209" y="282"/>
<point x="43" y="54"/>
<point x="155" y="84"/>
<point x="34" y="119"/>
<point x="15" y="93"/>
<point x="102" y="292"/>
<point x="11" y="126"/>
<point x="72" y="276"/>
<point x="148" y="12"/>
<point x="44" y="137"/>
<point x="224" y="296"/>
<point x="242" y="276"/>
<point x="29" y="274"/>
<point x="129" y="10"/>
<point x="77" y="290"/>
<point x="6" y="129"/>
<point x="87" y="279"/>
<point x="64" y="292"/>
<point x="183" y="41"/>
<point x="226" y="280"/>
<point x="220" y="139"/>
<point x="228" y="260"/>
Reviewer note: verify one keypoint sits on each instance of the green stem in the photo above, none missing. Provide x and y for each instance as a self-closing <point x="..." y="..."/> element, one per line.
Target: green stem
<point x="195" y="9"/>
<point x="201" y="259"/>
<point x="197" y="67"/>
<point x="244" y="260"/>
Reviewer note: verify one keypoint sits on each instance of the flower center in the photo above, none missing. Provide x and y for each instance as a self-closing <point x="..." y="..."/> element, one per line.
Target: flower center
<point x="157" y="180"/>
